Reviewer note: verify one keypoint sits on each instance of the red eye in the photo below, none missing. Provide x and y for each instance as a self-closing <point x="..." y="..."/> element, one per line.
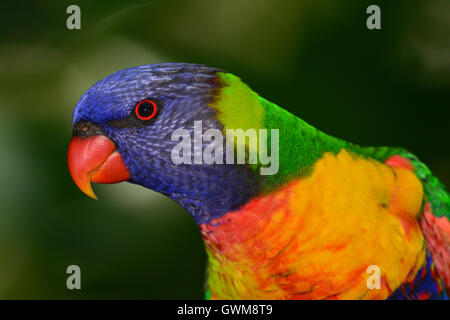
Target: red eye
<point x="146" y="109"/>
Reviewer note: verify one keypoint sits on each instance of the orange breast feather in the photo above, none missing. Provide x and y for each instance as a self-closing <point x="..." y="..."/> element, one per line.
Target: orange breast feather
<point x="315" y="237"/>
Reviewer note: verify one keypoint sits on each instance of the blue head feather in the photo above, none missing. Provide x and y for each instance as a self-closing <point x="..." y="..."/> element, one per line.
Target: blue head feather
<point x="184" y="92"/>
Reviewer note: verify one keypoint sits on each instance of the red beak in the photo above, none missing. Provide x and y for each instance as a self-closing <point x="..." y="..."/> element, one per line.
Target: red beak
<point x="95" y="159"/>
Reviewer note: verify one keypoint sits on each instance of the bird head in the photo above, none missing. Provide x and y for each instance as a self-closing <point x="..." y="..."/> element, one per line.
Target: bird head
<point x="123" y="131"/>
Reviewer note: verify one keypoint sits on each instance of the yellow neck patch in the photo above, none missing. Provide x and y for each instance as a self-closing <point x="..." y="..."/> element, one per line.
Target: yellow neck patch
<point x="237" y="106"/>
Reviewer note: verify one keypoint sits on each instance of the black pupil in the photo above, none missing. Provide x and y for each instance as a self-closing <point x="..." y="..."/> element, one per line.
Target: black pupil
<point x="145" y="109"/>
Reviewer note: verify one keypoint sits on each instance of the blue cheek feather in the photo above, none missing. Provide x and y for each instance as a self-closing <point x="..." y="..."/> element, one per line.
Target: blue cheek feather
<point x="205" y="191"/>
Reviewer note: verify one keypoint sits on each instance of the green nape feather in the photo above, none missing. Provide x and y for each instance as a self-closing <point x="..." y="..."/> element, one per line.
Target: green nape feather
<point x="301" y="145"/>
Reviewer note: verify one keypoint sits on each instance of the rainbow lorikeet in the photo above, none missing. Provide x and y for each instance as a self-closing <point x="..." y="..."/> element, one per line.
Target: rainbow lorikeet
<point x="332" y="212"/>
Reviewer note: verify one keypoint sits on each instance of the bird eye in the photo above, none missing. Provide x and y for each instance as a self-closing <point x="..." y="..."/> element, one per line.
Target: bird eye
<point x="146" y="109"/>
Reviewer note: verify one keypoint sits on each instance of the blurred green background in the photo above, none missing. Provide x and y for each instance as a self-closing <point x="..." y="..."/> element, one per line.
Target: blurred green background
<point x="316" y="58"/>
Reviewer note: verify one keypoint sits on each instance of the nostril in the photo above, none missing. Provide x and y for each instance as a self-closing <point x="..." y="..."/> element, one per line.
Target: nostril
<point x="86" y="129"/>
